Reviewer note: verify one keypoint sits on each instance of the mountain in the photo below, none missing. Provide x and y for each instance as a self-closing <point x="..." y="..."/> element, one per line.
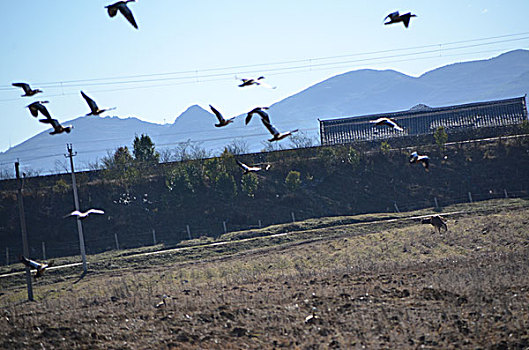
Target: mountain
<point x="353" y="93"/>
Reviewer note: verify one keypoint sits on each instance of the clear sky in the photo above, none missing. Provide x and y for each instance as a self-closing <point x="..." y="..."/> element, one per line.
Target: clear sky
<point x="190" y="52"/>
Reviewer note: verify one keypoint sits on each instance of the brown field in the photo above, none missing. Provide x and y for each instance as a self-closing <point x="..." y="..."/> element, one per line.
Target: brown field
<point x="330" y="284"/>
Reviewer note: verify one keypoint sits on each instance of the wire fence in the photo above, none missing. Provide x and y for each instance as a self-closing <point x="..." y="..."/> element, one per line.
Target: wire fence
<point x="171" y="236"/>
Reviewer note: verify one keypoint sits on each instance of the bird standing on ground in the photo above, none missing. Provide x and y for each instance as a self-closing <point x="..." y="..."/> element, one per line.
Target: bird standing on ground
<point x="395" y="17"/>
<point x="28" y="91"/>
<point x="257" y="110"/>
<point x="387" y="121"/>
<point x="251" y="169"/>
<point x="423" y="159"/>
<point x="94" y="110"/>
<point x="222" y="121"/>
<point x="57" y="127"/>
<point x="81" y="215"/>
<point x="275" y="133"/>
<point x="35" y="265"/>
<point x="125" y="11"/>
<point x="437" y="222"/>
<point x="38" y="106"/>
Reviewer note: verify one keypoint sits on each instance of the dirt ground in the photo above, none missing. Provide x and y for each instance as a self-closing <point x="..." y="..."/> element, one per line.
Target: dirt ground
<point x="400" y="287"/>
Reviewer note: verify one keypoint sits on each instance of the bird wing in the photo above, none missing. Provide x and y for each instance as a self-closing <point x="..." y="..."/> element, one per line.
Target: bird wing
<point x="42" y="109"/>
<point x="263" y="115"/>
<point x="127" y="13"/>
<point x="270" y="127"/>
<point x="73" y="213"/>
<point x="24" y="86"/>
<point x="392" y="15"/>
<point x="91" y="103"/>
<point x="406" y="19"/>
<point x="425" y="161"/>
<point x="248" y="117"/>
<point x="242" y="165"/>
<point x="217" y="113"/>
<point x="95" y="211"/>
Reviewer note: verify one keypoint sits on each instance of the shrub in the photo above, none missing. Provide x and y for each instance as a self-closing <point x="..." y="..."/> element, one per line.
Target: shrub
<point x="293" y="180"/>
<point x="249" y="184"/>
<point x="440" y="137"/>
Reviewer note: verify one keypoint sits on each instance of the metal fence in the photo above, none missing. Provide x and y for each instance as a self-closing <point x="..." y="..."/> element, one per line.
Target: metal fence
<point x="425" y="121"/>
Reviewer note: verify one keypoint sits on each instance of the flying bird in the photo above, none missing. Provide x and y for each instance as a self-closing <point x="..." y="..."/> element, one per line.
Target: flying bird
<point x="251" y="169"/>
<point x="38" y="106"/>
<point x="28" y="91"/>
<point x="275" y="133"/>
<point x="395" y="17"/>
<point x="424" y="160"/>
<point x="222" y="121"/>
<point x="125" y="11"/>
<point x="388" y="122"/>
<point x="94" y="110"/>
<point x="57" y="127"/>
<point x="35" y="265"/>
<point x="437" y="222"/>
<point x="257" y="110"/>
<point x="257" y="81"/>
<point x="85" y="214"/>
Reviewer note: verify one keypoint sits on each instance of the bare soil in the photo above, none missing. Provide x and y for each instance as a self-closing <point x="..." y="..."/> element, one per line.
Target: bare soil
<point x="401" y="286"/>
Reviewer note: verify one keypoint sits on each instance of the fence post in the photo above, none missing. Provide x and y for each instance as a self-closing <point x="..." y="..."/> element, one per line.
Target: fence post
<point x="7" y="256"/>
<point x="259" y="223"/>
<point x="154" y="236"/>
<point x="43" y="250"/>
<point x="293" y="217"/>
<point x="436" y="203"/>
<point x="188" y="231"/>
<point x="224" y="226"/>
<point x="505" y="191"/>
<point x="117" y="242"/>
<point x="396" y="207"/>
<point x="470" y="197"/>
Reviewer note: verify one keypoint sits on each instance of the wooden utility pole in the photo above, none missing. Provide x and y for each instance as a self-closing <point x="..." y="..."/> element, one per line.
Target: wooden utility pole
<point x="76" y="203"/>
<point x="25" y="247"/>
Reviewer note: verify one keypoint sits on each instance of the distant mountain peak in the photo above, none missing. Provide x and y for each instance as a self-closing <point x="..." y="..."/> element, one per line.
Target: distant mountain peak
<point x="420" y="107"/>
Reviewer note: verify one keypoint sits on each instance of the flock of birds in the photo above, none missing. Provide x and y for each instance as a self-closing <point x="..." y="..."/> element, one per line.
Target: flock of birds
<point x="38" y="107"/>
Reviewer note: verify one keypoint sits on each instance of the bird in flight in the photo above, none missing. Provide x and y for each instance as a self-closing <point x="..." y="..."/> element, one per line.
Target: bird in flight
<point x="38" y="106"/>
<point x="388" y="122"/>
<point x="275" y="133"/>
<point x="251" y="169"/>
<point x="257" y="110"/>
<point x="395" y="17"/>
<point x="125" y="11"/>
<point x="28" y="91"/>
<point x="94" y="110"/>
<point x="257" y="81"/>
<point x="424" y="160"/>
<point x="222" y="121"/>
<point x="57" y="127"/>
<point x="85" y="214"/>
<point x="35" y="265"/>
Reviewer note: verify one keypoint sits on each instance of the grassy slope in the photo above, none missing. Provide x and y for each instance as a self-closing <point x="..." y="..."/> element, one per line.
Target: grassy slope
<point x="379" y="285"/>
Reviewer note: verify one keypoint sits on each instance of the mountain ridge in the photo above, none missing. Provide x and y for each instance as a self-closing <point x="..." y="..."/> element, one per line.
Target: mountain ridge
<point x="354" y="93"/>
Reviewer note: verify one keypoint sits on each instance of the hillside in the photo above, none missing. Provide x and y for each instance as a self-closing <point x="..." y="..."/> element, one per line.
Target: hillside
<point x="380" y="284"/>
<point x="205" y="195"/>
<point x="350" y="94"/>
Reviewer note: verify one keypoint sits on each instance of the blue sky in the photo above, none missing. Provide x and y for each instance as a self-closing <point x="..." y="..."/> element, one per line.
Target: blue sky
<point x="64" y="46"/>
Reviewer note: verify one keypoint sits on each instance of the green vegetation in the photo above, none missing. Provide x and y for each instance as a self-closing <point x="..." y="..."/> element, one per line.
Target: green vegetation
<point x="249" y="184"/>
<point x="385" y="147"/>
<point x="293" y="180"/>
<point x="440" y="137"/>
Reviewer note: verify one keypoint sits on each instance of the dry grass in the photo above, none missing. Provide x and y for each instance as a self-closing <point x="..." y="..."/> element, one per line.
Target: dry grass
<point x="399" y="286"/>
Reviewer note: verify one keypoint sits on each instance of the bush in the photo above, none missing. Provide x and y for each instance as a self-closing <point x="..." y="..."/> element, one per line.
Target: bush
<point x="440" y="137"/>
<point x="293" y="180"/>
<point x="249" y="184"/>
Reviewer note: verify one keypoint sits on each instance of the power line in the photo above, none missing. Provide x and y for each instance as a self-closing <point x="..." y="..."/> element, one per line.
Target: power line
<point x="193" y="74"/>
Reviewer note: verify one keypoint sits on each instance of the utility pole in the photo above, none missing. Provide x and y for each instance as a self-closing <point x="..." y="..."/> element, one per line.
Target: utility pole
<point x="25" y="247"/>
<point x="76" y="203"/>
